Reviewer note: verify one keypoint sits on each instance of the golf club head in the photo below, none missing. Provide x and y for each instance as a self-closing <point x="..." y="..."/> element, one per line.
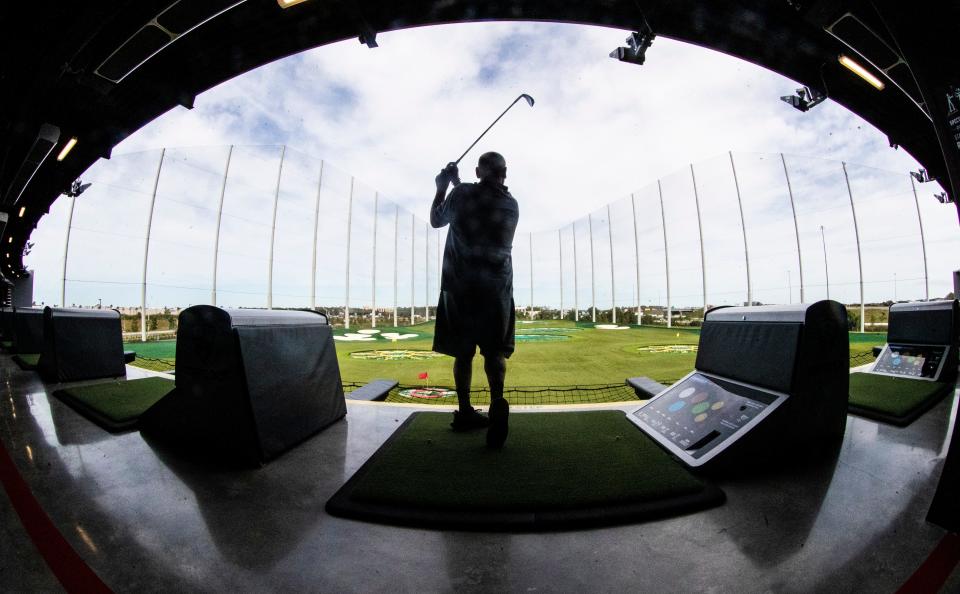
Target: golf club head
<point x="528" y="98"/>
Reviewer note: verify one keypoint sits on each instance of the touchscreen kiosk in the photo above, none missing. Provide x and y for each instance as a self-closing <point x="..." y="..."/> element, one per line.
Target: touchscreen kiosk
<point x="701" y="415"/>
<point x="769" y="380"/>
<point x="922" y="341"/>
<point x="918" y="361"/>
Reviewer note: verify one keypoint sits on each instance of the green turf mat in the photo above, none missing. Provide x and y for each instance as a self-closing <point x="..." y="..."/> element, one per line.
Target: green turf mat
<point x="557" y="471"/>
<point x="27" y="361"/>
<point x="116" y="406"/>
<point x="894" y="400"/>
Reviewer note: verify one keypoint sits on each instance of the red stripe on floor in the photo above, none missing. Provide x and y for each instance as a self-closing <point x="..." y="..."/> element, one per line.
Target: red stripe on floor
<point x="72" y="571"/>
<point x="933" y="573"/>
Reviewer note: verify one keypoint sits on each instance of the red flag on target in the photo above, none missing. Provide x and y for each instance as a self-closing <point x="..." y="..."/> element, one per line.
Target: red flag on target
<point x="423" y="375"/>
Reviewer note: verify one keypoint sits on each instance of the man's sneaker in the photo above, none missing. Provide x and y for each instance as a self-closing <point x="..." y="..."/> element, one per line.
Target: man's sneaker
<point x="469" y="421"/>
<point x="497" y="433"/>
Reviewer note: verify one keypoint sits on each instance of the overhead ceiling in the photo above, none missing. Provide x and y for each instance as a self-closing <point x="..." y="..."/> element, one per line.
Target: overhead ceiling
<point x="99" y="70"/>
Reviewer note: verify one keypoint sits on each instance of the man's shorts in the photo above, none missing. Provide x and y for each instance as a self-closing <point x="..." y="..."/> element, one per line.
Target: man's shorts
<point x="466" y="321"/>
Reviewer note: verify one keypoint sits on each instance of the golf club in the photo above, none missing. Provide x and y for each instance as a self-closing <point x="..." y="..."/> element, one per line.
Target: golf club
<point x="522" y="96"/>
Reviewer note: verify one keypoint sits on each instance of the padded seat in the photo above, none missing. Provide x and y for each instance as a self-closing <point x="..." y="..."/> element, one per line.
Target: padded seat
<point x="81" y="344"/>
<point x="27" y="330"/>
<point x="250" y="384"/>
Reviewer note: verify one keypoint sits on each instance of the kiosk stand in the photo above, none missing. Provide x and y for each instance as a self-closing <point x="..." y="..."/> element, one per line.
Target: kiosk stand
<point x="250" y="384"/>
<point x="769" y="380"/>
<point x="916" y="367"/>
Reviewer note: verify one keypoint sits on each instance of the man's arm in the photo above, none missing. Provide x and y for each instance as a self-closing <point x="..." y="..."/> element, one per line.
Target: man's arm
<point x="439" y="214"/>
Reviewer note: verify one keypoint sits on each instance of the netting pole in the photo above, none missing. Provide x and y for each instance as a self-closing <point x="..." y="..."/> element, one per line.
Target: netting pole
<point x="923" y="242"/>
<point x="636" y="255"/>
<point x="216" y="234"/>
<point x="796" y="227"/>
<point x="373" y="264"/>
<point x="576" y="288"/>
<point x="146" y="250"/>
<point x="666" y="253"/>
<point x="856" y="233"/>
<point x="413" y="276"/>
<point x="560" y="244"/>
<point x="273" y="230"/>
<point x="703" y="261"/>
<point x="826" y="270"/>
<point x="66" y="253"/>
<point x="346" y="307"/>
<point x="593" y="284"/>
<point x="531" y="275"/>
<point x="743" y="226"/>
<point x="426" y="270"/>
<point x="613" y="292"/>
<point x="396" y="251"/>
<point x="316" y="227"/>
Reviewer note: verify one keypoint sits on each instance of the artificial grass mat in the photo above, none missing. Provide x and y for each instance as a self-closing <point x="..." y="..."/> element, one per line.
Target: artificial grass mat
<point x="116" y="406"/>
<point x="894" y="400"/>
<point x="556" y="471"/>
<point x="27" y="361"/>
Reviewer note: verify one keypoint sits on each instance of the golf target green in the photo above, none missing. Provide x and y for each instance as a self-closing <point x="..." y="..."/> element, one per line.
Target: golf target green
<point x="540" y="337"/>
<point x="395" y="355"/>
<point x="668" y="348"/>
<point x="427" y="393"/>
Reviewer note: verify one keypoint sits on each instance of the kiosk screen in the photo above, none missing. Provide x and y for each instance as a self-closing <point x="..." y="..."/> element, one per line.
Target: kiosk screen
<point x="701" y="415"/>
<point x="911" y="360"/>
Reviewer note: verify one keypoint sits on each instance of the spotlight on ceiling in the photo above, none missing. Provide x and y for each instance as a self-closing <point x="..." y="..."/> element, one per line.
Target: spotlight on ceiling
<point x="860" y="71"/>
<point x="76" y="188"/>
<point x="805" y="98"/>
<point x="921" y="176"/>
<point x="23" y="209"/>
<point x="368" y="37"/>
<point x="637" y="44"/>
<point x="289" y="3"/>
<point x="944" y="198"/>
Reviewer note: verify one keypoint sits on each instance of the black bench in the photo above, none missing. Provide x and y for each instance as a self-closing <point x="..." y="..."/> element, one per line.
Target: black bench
<point x="374" y="391"/>
<point x="645" y="387"/>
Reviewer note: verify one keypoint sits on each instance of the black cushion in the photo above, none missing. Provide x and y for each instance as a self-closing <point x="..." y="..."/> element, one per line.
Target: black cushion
<point x="81" y="344"/>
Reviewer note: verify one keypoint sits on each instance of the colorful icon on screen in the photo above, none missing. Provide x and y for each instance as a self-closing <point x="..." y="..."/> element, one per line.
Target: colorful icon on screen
<point x="700" y="408"/>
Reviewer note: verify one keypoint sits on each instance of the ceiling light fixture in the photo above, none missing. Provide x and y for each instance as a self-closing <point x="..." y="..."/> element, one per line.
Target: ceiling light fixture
<point x="67" y="148"/>
<point x="862" y="72"/>
<point x="289" y="3"/>
<point x="23" y="209"/>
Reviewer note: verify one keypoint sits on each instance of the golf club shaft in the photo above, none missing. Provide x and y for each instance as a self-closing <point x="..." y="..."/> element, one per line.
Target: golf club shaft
<point x="457" y="162"/>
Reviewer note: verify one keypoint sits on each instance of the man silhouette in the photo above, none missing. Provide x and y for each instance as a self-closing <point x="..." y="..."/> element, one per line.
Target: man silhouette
<point x="476" y="290"/>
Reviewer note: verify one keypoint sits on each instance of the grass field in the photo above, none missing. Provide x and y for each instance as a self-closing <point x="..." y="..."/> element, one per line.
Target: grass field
<point x="587" y="356"/>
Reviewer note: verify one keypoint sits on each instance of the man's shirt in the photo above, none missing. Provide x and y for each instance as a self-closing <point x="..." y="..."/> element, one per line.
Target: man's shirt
<point x="483" y="219"/>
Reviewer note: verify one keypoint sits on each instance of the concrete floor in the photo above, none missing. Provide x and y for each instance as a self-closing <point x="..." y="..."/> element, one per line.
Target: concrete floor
<point x="148" y="521"/>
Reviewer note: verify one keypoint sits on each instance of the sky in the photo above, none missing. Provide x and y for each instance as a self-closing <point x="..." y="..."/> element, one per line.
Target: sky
<point x="394" y="115"/>
<point x="601" y="130"/>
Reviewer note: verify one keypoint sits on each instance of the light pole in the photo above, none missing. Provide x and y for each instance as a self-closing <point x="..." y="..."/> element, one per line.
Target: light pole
<point x="826" y="270"/>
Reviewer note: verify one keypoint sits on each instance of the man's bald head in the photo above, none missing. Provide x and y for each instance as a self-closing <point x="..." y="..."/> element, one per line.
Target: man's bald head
<point x="492" y="166"/>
